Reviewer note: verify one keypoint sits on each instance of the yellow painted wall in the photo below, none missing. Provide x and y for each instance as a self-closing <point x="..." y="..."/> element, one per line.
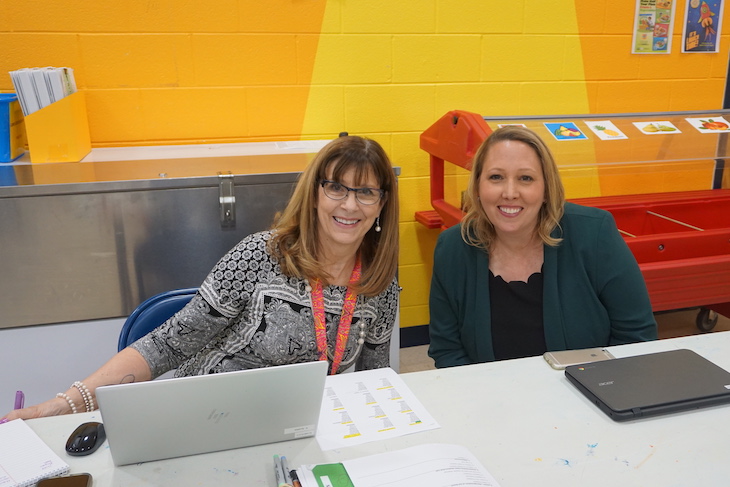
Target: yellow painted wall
<point x="194" y="71"/>
<point x="173" y="71"/>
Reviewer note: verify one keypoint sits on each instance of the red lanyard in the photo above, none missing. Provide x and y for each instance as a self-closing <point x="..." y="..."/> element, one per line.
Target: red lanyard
<point x="343" y="329"/>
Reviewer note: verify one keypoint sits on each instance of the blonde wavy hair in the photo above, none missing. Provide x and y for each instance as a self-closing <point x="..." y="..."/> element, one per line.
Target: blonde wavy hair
<point x="476" y="228"/>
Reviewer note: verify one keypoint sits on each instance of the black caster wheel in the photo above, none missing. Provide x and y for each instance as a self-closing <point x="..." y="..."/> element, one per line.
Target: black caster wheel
<point x="706" y="320"/>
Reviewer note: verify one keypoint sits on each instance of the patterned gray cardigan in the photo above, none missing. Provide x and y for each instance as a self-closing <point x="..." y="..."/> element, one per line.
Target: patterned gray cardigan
<point x="247" y="314"/>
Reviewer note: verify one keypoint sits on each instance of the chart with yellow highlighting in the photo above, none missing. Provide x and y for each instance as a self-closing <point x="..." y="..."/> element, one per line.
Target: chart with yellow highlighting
<point x="370" y="405"/>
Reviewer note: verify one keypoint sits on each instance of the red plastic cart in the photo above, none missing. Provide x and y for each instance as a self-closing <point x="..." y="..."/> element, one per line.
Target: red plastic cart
<point x="681" y="239"/>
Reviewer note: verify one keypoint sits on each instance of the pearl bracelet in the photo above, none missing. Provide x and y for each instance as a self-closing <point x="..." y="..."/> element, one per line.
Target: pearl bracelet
<point x="69" y="401"/>
<point x="85" y="395"/>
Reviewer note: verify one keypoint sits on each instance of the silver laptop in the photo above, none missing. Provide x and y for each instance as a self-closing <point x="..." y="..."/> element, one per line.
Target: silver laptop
<point x="168" y="418"/>
<point x="652" y="384"/>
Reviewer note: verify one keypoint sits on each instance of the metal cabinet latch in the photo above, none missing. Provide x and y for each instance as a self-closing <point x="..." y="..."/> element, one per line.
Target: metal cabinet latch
<point x="227" y="200"/>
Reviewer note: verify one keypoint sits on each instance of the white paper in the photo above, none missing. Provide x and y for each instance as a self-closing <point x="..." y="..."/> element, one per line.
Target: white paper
<point x="54" y="80"/>
<point x="370" y="405"/>
<point x="23" y="84"/>
<point x="24" y="457"/>
<point x="40" y="88"/>
<point x="432" y="465"/>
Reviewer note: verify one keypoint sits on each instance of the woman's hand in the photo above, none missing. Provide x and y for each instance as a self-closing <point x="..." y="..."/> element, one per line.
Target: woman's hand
<point x="126" y="366"/>
<point x="52" y="407"/>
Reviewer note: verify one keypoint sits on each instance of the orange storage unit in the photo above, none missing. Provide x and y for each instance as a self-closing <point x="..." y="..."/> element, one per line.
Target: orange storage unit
<point x="666" y="192"/>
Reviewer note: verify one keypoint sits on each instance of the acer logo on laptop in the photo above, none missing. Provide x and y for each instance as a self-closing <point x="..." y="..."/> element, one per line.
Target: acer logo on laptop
<point x="607" y="383"/>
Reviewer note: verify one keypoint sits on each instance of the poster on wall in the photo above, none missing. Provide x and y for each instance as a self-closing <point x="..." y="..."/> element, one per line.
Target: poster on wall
<point x="701" y="31"/>
<point x="653" y="25"/>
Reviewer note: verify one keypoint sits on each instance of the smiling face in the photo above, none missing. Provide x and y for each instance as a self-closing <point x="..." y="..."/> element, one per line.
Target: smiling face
<point x="512" y="189"/>
<point x="344" y="223"/>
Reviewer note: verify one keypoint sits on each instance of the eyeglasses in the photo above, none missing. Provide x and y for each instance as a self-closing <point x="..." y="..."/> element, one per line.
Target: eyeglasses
<point x="337" y="191"/>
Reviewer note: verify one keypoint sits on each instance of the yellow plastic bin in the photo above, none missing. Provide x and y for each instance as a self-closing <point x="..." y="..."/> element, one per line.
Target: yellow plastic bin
<point x="60" y="131"/>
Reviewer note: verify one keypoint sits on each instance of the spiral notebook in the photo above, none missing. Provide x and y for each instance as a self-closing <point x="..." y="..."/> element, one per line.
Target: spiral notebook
<point x="24" y="457"/>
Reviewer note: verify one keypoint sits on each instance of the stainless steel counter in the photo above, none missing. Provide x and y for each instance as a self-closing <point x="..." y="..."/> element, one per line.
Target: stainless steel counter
<point x="93" y="239"/>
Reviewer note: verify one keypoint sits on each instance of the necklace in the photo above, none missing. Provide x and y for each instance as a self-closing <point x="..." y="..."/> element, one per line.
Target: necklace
<point x="343" y="329"/>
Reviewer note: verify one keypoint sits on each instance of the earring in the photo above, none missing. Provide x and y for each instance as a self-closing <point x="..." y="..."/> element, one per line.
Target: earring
<point x="377" y="224"/>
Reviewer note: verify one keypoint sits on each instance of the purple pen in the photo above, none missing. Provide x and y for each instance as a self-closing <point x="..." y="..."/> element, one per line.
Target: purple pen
<point x="19" y="400"/>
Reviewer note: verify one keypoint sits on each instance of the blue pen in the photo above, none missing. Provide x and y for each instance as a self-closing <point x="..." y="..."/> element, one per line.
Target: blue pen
<point x="19" y="400"/>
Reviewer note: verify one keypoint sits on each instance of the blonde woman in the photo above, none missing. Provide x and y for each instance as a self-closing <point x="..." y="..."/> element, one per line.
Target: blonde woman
<point x="526" y="272"/>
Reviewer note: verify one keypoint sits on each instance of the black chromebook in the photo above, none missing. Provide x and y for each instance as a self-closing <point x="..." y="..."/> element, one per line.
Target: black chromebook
<point x="652" y="384"/>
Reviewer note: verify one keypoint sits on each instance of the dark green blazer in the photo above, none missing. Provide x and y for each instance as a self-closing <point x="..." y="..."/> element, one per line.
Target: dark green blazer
<point x="593" y="292"/>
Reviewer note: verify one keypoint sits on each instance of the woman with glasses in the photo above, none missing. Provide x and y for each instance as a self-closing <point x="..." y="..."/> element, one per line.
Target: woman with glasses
<point x="319" y="285"/>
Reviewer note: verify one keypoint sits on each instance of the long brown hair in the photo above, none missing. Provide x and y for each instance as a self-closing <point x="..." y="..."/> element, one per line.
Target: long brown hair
<point x="295" y="240"/>
<point x="476" y="228"/>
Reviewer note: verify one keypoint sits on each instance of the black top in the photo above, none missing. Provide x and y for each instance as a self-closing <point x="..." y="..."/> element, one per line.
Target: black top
<point x="517" y="328"/>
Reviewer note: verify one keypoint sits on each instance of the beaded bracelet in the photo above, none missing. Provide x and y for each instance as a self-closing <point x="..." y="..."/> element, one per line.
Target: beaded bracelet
<point x="69" y="400"/>
<point x="85" y="395"/>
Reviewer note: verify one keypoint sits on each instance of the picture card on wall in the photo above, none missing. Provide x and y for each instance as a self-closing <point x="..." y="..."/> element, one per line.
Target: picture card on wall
<point x="605" y="130"/>
<point x="710" y="125"/>
<point x="657" y="127"/>
<point x="565" y="131"/>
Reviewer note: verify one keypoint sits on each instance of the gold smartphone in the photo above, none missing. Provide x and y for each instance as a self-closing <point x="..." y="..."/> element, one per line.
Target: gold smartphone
<point x="561" y="359"/>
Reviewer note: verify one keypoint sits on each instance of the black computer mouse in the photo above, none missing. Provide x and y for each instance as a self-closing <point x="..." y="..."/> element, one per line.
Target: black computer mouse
<point x="86" y="439"/>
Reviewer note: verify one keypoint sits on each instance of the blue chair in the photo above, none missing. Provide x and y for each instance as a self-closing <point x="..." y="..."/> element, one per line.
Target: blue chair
<point x="152" y="313"/>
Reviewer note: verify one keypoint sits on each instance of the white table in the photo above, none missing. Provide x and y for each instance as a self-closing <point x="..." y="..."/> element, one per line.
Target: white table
<point x="523" y="420"/>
